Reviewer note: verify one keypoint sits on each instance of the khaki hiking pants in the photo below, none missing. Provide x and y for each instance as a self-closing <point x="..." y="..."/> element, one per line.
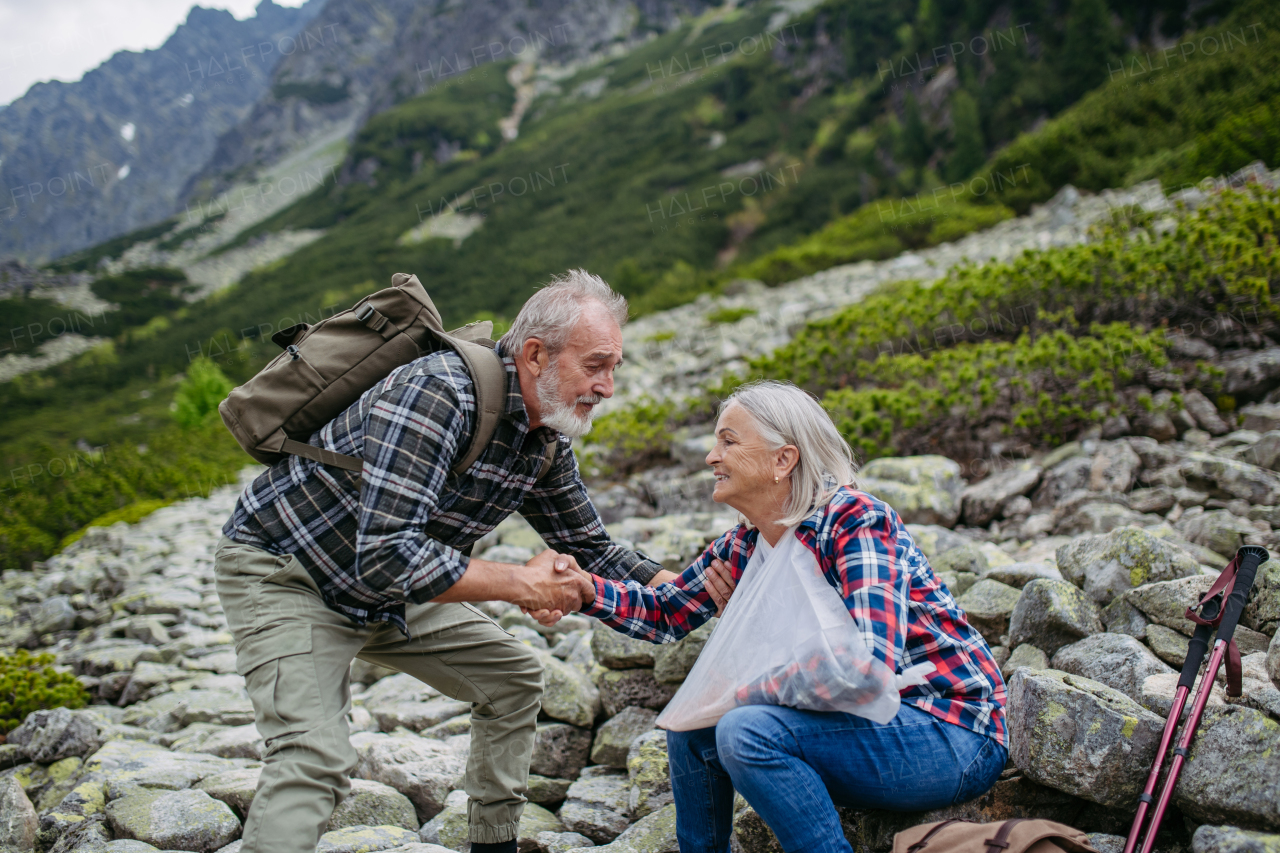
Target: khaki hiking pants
<point x="295" y="654"/>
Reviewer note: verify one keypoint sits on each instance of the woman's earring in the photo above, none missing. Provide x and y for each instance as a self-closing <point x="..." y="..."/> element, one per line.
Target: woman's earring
<point x="775" y="480"/>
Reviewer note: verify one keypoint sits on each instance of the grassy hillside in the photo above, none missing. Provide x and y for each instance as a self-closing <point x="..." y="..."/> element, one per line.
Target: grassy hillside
<point x="670" y="178"/>
<point x="1026" y="353"/>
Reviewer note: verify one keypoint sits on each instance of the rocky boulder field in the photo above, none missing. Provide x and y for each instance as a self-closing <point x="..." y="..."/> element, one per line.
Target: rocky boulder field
<point x="1076" y="563"/>
<point x="1076" y="566"/>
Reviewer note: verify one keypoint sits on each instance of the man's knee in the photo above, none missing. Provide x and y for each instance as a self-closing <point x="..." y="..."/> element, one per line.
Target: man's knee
<point x="521" y="682"/>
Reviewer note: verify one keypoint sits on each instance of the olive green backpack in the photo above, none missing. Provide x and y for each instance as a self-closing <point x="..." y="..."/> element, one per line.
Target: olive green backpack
<point x="326" y="367"/>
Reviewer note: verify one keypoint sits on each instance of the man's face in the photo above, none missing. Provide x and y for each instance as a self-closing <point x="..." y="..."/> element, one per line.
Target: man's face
<point x="580" y="376"/>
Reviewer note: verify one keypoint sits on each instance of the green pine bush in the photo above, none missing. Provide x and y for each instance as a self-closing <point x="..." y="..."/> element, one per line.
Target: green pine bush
<point x="30" y="683"/>
<point x="200" y="393"/>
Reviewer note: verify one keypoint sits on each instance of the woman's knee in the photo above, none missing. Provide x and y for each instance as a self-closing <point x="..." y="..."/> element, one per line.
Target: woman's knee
<point x="750" y="732"/>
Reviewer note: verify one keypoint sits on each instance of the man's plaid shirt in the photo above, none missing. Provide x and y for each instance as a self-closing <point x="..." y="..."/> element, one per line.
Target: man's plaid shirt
<point x="904" y="613"/>
<point x="396" y="533"/>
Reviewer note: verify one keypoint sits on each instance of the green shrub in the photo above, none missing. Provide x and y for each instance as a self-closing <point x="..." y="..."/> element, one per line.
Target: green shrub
<point x="200" y="393"/>
<point x="30" y="683"/>
<point x="725" y="315"/>
<point x="1036" y="389"/>
<point x="630" y="439"/>
<point x="877" y="231"/>
<point x="38" y="511"/>
<point x="131" y="514"/>
<point x="1180" y="119"/>
<point x="1217" y="262"/>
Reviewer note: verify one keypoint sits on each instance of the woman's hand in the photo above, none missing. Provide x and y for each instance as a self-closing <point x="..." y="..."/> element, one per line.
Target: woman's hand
<point x="587" y="592"/>
<point x="720" y="584"/>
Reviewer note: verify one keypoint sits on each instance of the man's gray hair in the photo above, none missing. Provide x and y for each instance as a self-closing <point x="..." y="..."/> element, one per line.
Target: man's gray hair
<point x="552" y="312"/>
<point x="786" y="415"/>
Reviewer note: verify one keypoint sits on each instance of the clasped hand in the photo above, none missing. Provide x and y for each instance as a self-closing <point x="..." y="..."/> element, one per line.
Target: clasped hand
<point x="555" y="585"/>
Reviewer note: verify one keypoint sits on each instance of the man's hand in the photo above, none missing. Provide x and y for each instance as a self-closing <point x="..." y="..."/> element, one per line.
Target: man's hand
<point x="720" y="584"/>
<point x="587" y="590"/>
<point x="550" y="582"/>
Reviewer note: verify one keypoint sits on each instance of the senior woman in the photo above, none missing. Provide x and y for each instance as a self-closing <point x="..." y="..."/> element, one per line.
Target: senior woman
<point x="780" y="462"/>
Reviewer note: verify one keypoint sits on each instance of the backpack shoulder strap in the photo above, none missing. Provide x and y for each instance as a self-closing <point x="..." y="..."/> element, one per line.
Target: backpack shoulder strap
<point x="489" y="379"/>
<point x="548" y="459"/>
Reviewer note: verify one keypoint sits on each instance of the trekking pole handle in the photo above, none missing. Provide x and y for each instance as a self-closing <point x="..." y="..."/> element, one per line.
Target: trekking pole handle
<point x="1199" y="646"/>
<point x="1251" y="556"/>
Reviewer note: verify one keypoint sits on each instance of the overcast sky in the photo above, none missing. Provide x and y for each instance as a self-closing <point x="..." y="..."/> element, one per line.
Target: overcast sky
<point x="62" y="39"/>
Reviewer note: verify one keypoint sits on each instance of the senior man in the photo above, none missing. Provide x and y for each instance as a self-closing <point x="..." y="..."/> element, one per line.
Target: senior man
<point x="319" y="565"/>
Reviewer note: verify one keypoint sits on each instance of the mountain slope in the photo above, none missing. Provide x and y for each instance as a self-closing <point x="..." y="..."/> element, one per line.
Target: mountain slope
<point x="84" y="162"/>
<point x="391" y="50"/>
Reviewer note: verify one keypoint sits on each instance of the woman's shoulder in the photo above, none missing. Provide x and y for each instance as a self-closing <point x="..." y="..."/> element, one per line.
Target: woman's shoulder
<point x="850" y="506"/>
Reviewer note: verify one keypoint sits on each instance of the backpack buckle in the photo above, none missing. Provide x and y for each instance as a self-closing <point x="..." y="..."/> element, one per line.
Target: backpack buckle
<point x="293" y="352"/>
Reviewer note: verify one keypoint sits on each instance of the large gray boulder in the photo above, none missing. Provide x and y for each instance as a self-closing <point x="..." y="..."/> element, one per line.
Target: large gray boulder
<point x="672" y="662"/>
<point x="983" y="501"/>
<point x="1061" y="479"/>
<point x="622" y="687"/>
<point x="364" y="839"/>
<point x="1232" y="839"/>
<point x="1227" y="478"/>
<point x="18" y="819"/>
<point x="614" y="737"/>
<point x="1080" y="736"/>
<point x="597" y="807"/>
<point x="1204" y="412"/>
<point x="1024" y="655"/>
<point x="1020" y="574"/>
<point x="1121" y="617"/>
<point x="1169" y="645"/>
<point x="423" y="770"/>
<point x="655" y="833"/>
<point x="1116" y="660"/>
<point x="649" y="773"/>
<point x="171" y="712"/>
<point x="988" y="604"/>
<point x="49" y="736"/>
<point x="1273" y="659"/>
<point x="450" y="828"/>
<point x="966" y="557"/>
<point x="1051" y="614"/>
<point x="568" y="693"/>
<point x="124" y="766"/>
<point x="921" y="489"/>
<point x="1109" y="565"/>
<point x="1233" y="773"/>
<point x="1166" y="603"/>
<point x="1262" y="613"/>
<point x="546" y="791"/>
<point x="1218" y="530"/>
<point x="237" y="788"/>
<point x="174" y="820"/>
<point x="417" y="716"/>
<point x="1114" y="467"/>
<point x="560" y="750"/>
<point x="235" y="742"/>
<point x="618" y="651"/>
<point x="374" y="804"/>
<point x="1158" y="691"/>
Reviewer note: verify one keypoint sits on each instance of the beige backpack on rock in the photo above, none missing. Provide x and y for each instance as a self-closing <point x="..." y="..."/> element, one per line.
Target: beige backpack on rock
<point x="326" y="367"/>
<point x="1019" y="835"/>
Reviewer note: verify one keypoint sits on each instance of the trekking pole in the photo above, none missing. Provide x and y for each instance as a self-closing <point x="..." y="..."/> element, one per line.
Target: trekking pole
<point x="1219" y="608"/>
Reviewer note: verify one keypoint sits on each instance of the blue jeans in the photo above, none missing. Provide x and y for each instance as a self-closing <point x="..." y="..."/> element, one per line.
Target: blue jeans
<point x="795" y="766"/>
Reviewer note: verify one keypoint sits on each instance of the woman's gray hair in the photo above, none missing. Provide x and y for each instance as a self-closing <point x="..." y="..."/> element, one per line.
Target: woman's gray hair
<point x="786" y="415"/>
<point x="552" y="312"/>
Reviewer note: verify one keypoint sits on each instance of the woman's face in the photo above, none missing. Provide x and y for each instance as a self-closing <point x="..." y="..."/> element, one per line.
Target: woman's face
<point x="744" y="467"/>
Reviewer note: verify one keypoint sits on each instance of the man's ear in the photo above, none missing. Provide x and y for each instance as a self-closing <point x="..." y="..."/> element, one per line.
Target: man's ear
<point x="535" y="356"/>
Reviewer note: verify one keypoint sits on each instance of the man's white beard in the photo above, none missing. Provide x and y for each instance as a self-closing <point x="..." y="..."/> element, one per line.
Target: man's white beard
<point x="561" y="416"/>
